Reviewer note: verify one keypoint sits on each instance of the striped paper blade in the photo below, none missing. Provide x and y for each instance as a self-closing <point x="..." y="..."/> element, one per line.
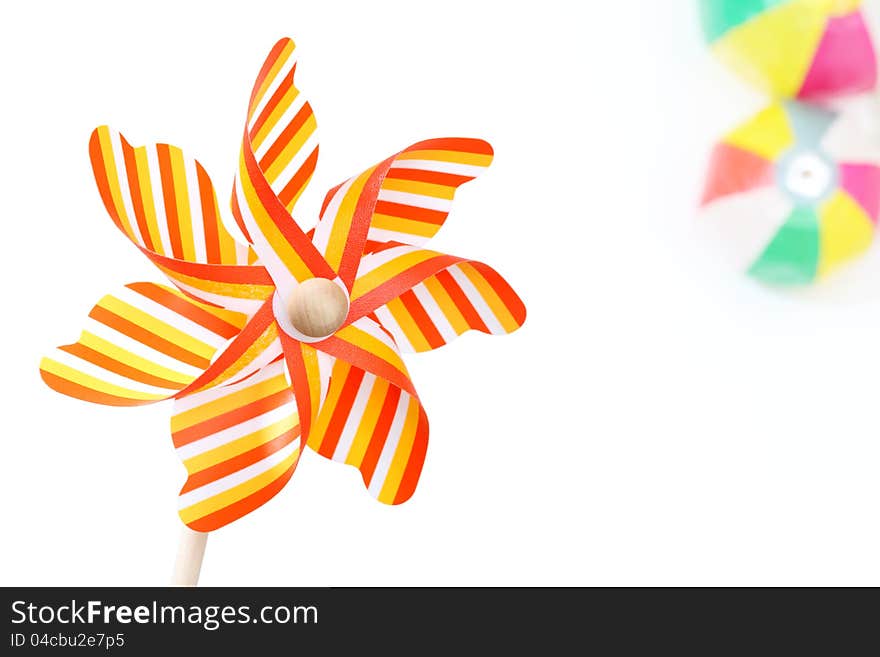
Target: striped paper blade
<point x="165" y="203"/>
<point x="278" y="155"/>
<point x="240" y="444"/>
<point x="370" y="422"/>
<point x="142" y="344"/>
<point x="425" y="299"/>
<point x="405" y="198"/>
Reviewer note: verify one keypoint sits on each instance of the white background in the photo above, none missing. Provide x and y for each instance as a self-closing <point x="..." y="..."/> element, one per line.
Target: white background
<point x="659" y="419"/>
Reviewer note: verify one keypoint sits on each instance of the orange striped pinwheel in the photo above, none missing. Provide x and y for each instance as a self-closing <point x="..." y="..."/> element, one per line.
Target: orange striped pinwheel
<point x="249" y="386"/>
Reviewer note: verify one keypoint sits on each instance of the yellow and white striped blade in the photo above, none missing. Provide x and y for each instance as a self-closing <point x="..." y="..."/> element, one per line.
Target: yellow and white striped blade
<point x="166" y="205"/>
<point x="309" y="370"/>
<point x="281" y="126"/>
<point x="404" y="199"/>
<point x="375" y="426"/>
<point x="416" y="195"/>
<point x="276" y="161"/>
<point x="425" y="298"/>
<point x="162" y="200"/>
<point x="466" y="296"/>
<point x="142" y="344"/>
<point x="240" y="444"/>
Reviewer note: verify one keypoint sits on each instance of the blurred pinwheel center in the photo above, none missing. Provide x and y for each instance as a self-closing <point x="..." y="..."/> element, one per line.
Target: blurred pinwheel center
<point x="317" y="307"/>
<point x="794" y="192"/>
<point x="807" y="175"/>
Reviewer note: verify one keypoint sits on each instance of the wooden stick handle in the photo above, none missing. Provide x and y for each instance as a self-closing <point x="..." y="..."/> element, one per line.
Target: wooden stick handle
<point x="190" y="553"/>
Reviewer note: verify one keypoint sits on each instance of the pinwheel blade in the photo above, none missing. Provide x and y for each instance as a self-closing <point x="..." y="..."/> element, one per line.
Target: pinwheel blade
<point x="240" y="445"/>
<point x="309" y="371"/>
<point x="253" y="348"/>
<point x="281" y="126"/>
<point x="425" y="298"/>
<point x="366" y="344"/>
<point x="405" y="198"/>
<point x="809" y="49"/>
<point x="278" y="156"/>
<point x="145" y="343"/>
<point x="165" y="203"/>
<point x="416" y="195"/>
<point x="846" y="230"/>
<point x="466" y="296"/>
<point x="374" y="425"/>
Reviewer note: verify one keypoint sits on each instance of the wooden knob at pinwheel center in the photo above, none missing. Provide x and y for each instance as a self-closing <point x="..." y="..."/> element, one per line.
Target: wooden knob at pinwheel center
<point x="317" y="307"/>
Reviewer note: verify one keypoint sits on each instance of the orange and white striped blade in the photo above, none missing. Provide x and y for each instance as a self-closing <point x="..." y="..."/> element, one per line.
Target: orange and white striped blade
<point x="342" y="230"/>
<point x="391" y="270"/>
<point x="309" y="371"/>
<point x="375" y="426"/>
<point x="278" y="155"/>
<point x="240" y="444"/>
<point x="404" y="199"/>
<point x="165" y="203"/>
<point x="237" y="288"/>
<point x="142" y="344"/>
<point x="367" y="345"/>
<point x="465" y="296"/>
<point x="254" y="347"/>
<point x="425" y="298"/>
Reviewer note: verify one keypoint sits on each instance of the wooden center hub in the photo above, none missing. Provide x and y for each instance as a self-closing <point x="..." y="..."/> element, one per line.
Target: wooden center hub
<point x="317" y="307"/>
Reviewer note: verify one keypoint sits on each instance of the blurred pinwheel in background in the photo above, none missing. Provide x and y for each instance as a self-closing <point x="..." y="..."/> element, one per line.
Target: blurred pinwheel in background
<point x="794" y="192"/>
<point x="807" y="49"/>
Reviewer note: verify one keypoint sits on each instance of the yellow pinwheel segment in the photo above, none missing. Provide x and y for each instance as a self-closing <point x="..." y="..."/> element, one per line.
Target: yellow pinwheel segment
<point x="845" y="231"/>
<point x="806" y="49"/>
<point x="754" y="48"/>
<point x="768" y="134"/>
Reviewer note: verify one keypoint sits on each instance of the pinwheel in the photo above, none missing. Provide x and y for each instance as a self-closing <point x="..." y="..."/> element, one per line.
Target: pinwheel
<point x="804" y="49"/>
<point x="291" y="337"/>
<point x="794" y="192"/>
